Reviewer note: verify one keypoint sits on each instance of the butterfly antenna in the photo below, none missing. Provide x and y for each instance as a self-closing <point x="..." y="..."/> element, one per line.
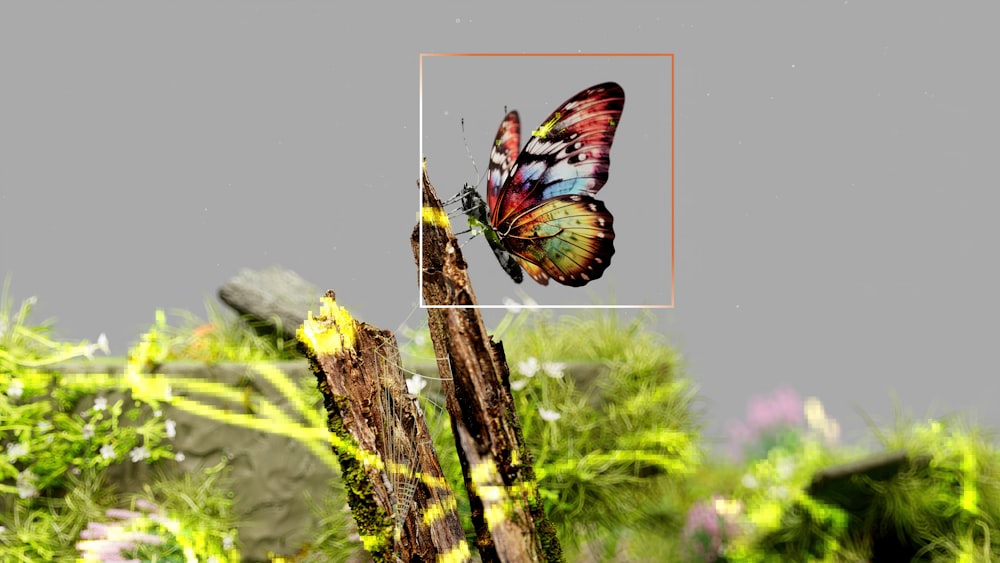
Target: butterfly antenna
<point x="461" y="194"/>
<point x="469" y="152"/>
<point x="468" y="204"/>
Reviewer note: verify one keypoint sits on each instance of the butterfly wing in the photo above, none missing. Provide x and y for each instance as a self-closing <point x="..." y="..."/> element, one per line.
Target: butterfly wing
<point x="503" y="154"/>
<point x="541" y="201"/>
<point x="568" y="238"/>
<point x="568" y="154"/>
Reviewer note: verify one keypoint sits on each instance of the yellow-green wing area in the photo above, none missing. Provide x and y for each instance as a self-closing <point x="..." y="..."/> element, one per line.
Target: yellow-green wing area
<point x="568" y="238"/>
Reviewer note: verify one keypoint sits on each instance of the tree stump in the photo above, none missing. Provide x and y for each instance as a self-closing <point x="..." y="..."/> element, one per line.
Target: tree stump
<point x="404" y="508"/>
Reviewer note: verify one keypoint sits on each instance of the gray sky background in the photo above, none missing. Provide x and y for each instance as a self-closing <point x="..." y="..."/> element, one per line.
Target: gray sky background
<point x="835" y="205"/>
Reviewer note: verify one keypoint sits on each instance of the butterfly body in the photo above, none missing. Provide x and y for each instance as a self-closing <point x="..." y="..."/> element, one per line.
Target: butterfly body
<point x="542" y="214"/>
<point x="475" y="207"/>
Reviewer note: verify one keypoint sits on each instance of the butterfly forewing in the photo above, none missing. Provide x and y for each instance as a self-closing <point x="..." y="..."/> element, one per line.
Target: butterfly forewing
<point x="502" y="156"/>
<point x="568" y="154"/>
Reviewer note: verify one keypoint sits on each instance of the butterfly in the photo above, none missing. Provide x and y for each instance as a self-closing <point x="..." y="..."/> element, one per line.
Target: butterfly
<point x="540" y="214"/>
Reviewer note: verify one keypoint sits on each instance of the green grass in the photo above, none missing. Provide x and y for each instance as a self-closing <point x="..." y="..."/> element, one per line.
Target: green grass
<point x="62" y="435"/>
<point x="611" y="419"/>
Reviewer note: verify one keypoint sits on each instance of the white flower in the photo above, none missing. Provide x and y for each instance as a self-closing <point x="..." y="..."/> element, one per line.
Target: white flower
<point x="27" y="490"/>
<point x="415" y="384"/>
<point x="43" y="426"/>
<point x="554" y="369"/>
<point x="749" y="481"/>
<point x="815" y="413"/>
<point x="419" y="339"/>
<point x="227" y="542"/>
<point x="26" y="484"/>
<point x="107" y="452"/>
<point x="88" y="431"/>
<point x="528" y="367"/>
<point x="100" y="404"/>
<point x="171" y="428"/>
<point x="179" y="457"/>
<point x="726" y="507"/>
<point x="102" y="345"/>
<point x="168" y="394"/>
<point x="511" y="305"/>
<point x="831" y="432"/>
<point x="547" y="415"/>
<point x="16" y="389"/>
<point x="518" y="384"/>
<point x="515" y="307"/>
<point x="157" y="413"/>
<point x="138" y="454"/>
<point x="15" y="451"/>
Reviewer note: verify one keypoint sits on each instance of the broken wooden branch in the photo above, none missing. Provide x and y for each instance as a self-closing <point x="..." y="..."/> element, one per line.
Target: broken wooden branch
<point x="404" y="508"/>
<point x="506" y="509"/>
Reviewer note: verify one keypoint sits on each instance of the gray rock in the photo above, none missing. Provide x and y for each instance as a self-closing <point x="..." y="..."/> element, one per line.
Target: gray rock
<point x="270" y="294"/>
<point x="275" y="479"/>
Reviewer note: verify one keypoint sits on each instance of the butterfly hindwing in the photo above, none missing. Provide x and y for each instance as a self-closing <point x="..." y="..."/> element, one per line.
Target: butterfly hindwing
<point x="568" y="238"/>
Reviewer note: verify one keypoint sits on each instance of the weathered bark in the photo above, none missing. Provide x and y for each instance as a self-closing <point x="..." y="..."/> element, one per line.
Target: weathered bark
<point x="397" y="492"/>
<point x="506" y="509"/>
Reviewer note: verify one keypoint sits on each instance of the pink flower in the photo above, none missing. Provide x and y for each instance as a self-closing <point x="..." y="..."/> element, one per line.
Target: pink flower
<point x="706" y="530"/>
<point x="121" y="513"/>
<point x="770" y="419"/>
<point x="782" y="408"/>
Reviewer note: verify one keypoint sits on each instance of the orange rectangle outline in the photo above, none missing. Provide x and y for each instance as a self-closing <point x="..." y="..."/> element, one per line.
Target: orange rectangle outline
<point x="673" y="223"/>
